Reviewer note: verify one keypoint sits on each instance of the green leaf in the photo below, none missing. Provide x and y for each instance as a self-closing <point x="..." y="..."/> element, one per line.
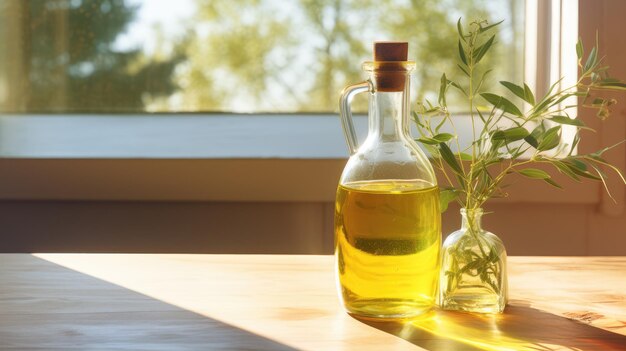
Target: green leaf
<point x="510" y="135"/>
<point x="612" y="85"/>
<point x="554" y="85"/>
<point x="482" y="118"/>
<point x="579" y="49"/>
<point x="517" y="153"/>
<point x="560" y="99"/>
<point x="463" y="69"/>
<point x="529" y="96"/>
<point x="574" y="143"/>
<point x="565" y="169"/>
<point x="597" y="158"/>
<point x="432" y="150"/>
<point x="534" y="173"/>
<point x="550" y="139"/>
<point x="482" y="50"/>
<point x="416" y="118"/>
<point x="502" y="103"/>
<point x="484" y="29"/>
<point x="448" y="156"/>
<point x="442" y="90"/>
<point x="427" y="141"/>
<point x="579" y="164"/>
<point x="585" y="174"/>
<point x="440" y="124"/>
<point x="443" y="137"/>
<point x="515" y="89"/>
<point x="535" y="135"/>
<point x="446" y="196"/>
<point x="462" y="53"/>
<point x="465" y="157"/>
<point x="553" y="183"/>
<point x="482" y="79"/>
<point x="493" y="256"/>
<point x="543" y="105"/>
<point x="458" y="87"/>
<point x="591" y="60"/>
<point x="566" y="120"/>
<point x="548" y="99"/>
<point x="460" y="29"/>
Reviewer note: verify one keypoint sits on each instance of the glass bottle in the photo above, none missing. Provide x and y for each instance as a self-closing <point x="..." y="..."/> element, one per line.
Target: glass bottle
<point x="473" y="271"/>
<point x="387" y="216"/>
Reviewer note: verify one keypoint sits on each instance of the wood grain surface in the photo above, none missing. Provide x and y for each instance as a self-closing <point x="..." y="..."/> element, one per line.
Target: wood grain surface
<point x="280" y="302"/>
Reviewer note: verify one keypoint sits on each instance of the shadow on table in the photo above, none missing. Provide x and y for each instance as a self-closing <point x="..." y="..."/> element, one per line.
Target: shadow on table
<point x="519" y="328"/>
<point x="45" y="306"/>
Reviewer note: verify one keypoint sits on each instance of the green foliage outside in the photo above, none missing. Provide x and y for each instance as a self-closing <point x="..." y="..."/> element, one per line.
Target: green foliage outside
<point x="261" y="55"/>
<point x="249" y="55"/>
<point x="68" y="61"/>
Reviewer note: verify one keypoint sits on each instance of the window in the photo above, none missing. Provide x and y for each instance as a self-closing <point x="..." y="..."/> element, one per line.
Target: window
<point x="113" y="56"/>
<point x="63" y="60"/>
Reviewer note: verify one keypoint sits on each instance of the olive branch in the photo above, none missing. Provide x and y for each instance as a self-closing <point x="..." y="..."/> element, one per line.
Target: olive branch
<point x="508" y="139"/>
<point x="506" y="135"/>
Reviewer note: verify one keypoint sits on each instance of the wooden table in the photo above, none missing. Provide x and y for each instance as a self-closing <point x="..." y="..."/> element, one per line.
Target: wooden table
<point x="266" y="302"/>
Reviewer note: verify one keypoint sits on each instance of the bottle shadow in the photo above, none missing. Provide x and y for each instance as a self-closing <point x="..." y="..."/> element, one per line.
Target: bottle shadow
<point x="520" y="327"/>
<point x="45" y="306"/>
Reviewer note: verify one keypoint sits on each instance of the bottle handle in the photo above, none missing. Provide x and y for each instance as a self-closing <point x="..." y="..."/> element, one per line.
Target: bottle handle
<point x="345" y="112"/>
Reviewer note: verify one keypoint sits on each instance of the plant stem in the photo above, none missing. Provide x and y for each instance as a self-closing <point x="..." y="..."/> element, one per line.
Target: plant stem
<point x="470" y="66"/>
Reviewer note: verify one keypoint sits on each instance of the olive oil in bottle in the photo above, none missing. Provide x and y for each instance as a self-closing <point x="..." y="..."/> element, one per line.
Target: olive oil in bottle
<point x="387" y="239"/>
<point x="387" y="218"/>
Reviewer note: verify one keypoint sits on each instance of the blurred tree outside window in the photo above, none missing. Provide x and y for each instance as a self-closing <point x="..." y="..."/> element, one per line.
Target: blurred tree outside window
<point x="136" y="56"/>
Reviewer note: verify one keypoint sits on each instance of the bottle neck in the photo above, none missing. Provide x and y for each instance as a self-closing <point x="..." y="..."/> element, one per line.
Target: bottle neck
<point x="471" y="219"/>
<point x="388" y="114"/>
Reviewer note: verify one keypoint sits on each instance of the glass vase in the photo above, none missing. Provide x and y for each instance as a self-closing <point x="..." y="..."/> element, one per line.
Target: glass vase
<point x="473" y="269"/>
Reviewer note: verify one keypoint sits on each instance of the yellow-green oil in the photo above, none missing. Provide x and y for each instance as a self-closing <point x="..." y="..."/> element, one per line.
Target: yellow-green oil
<point x="387" y="243"/>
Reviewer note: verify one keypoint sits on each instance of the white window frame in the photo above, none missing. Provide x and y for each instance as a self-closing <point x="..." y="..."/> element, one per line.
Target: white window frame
<point x="550" y="50"/>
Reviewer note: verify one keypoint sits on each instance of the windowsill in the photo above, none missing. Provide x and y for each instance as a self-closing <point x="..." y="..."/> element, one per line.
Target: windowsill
<point x="182" y="136"/>
<point x="181" y="157"/>
<point x="172" y="136"/>
<point x="190" y="158"/>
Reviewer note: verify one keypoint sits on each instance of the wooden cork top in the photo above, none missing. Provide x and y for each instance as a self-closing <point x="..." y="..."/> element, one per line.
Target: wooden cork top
<point x="391" y="51"/>
<point x="389" y="76"/>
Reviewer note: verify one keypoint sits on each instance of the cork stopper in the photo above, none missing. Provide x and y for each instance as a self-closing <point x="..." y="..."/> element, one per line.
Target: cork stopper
<point x="391" y="51"/>
<point x="389" y="76"/>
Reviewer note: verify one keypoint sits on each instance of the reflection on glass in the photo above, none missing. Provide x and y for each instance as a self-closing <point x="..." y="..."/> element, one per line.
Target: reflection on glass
<point x="238" y="56"/>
